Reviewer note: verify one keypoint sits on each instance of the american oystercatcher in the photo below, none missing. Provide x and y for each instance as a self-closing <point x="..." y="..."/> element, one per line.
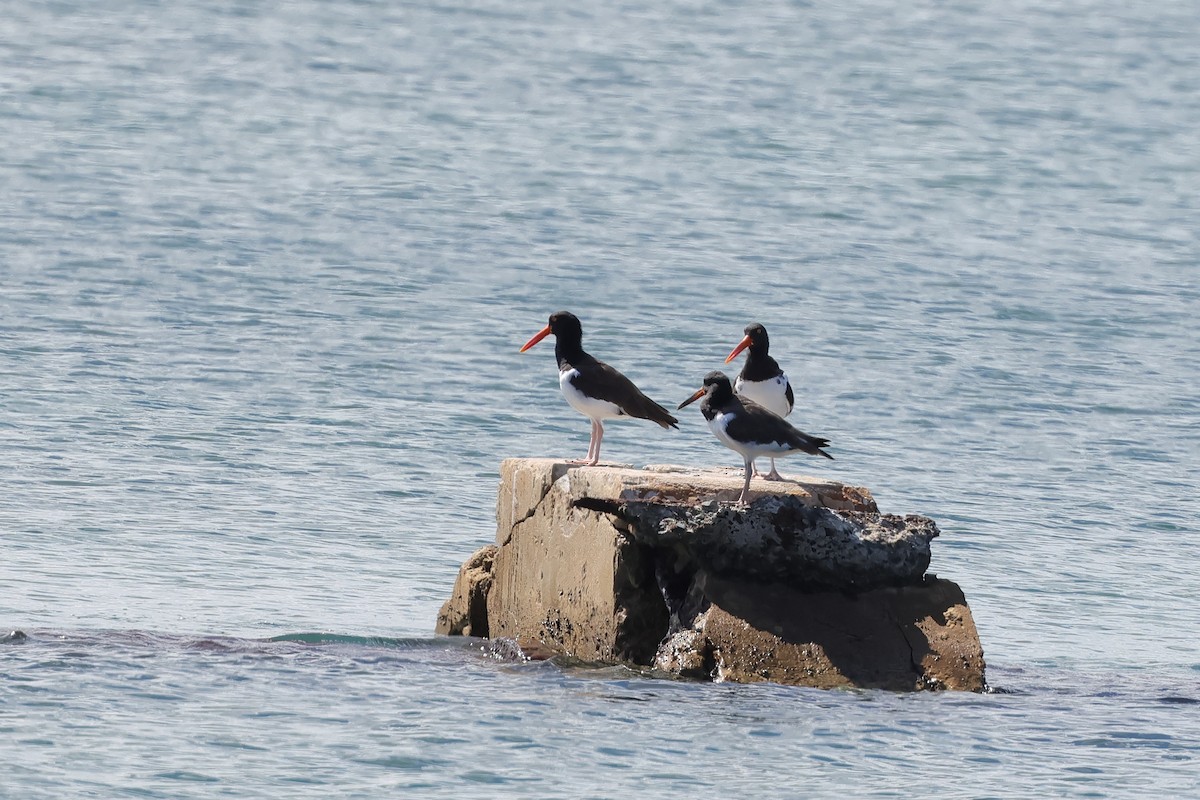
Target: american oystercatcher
<point x="762" y="380"/>
<point x="592" y="387"/>
<point x="746" y="427"/>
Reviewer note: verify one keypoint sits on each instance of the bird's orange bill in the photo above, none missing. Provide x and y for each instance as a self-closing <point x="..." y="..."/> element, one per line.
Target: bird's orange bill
<point x="742" y="345"/>
<point x="542" y="334"/>
<point x="696" y="396"/>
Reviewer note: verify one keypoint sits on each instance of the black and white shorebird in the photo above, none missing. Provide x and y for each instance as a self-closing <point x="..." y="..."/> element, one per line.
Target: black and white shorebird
<point x="762" y="380"/>
<point x="747" y="428"/>
<point x="592" y="387"/>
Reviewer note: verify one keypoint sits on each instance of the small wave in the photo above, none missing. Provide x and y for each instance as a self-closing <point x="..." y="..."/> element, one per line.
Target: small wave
<point x="405" y="643"/>
<point x="138" y="639"/>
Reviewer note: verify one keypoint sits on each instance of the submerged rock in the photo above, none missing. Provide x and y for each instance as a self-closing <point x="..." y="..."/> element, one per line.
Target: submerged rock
<point x="808" y="585"/>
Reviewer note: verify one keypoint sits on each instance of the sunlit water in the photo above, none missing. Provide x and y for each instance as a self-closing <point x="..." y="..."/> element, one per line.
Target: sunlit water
<point x="265" y="271"/>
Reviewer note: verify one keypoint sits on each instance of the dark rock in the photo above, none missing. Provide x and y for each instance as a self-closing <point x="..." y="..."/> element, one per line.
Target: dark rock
<point x="785" y="540"/>
<point x="899" y="638"/>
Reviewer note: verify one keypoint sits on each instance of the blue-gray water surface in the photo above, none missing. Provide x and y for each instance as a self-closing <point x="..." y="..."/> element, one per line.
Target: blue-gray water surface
<point x="264" y="271"/>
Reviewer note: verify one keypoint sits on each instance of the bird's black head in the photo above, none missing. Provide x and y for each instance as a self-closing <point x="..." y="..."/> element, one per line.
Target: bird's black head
<point x="755" y="339"/>
<point x="716" y="386"/>
<point x="717" y="382"/>
<point x="565" y="325"/>
<point x="568" y="333"/>
<point x="758" y="336"/>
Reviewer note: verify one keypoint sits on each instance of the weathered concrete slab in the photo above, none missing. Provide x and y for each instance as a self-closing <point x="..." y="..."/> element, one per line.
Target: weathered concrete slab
<point x="564" y="575"/>
<point x="664" y="483"/>
<point x="809" y="584"/>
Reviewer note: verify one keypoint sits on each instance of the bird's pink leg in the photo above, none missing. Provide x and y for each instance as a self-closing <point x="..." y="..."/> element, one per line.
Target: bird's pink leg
<point x="598" y="432"/>
<point x="773" y="475"/>
<point x="745" y="498"/>
<point x="593" y="453"/>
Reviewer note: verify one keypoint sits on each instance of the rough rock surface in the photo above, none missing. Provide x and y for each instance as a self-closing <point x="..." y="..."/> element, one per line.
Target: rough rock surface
<point x="899" y="637"/>
<point x="784" y="539"/>
<point x="465" y="613"/>
<point x="808" y="585"/>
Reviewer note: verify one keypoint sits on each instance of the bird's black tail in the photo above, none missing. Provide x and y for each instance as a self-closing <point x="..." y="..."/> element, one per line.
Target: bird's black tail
<point x="648" y="409"/>
<point x="663" y="417"/>
<point x="813" y="444"/>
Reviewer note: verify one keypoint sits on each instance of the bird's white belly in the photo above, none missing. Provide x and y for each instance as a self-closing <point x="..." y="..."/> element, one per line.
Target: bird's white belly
<point x="771" y="394"/>
<point x="720" y="422"/>
<point x="588" y="406"/>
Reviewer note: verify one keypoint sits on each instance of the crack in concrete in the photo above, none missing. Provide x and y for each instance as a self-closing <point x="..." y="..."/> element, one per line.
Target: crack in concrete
<point x="546" y="488"/>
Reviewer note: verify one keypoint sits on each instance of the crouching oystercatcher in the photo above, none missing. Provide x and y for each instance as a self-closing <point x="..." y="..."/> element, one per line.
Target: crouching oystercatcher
<point x="747" y="428"/>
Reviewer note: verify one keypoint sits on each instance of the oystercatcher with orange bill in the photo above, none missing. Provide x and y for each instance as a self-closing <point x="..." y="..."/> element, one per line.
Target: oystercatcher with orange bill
<point x="762" y="380"/>
<point x="747" y="428"/>
<point x="592" y="387"/>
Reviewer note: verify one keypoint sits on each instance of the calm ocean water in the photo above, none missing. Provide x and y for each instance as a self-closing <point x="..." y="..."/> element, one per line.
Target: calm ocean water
<point x="265" y="271"/>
